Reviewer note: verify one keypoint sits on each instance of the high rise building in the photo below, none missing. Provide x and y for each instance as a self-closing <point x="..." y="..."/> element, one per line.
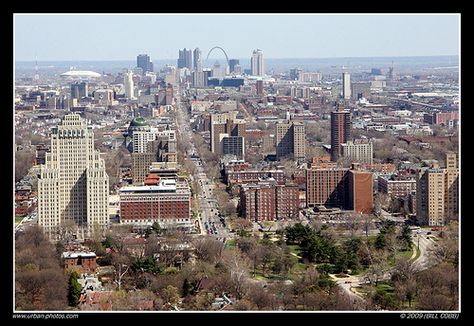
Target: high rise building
<point x="143" y="61"/>
<point x="359" y="150"/>
<point x="340" y="130"/>
<point x="225" y="123"/>
<point x="233" y="145"/>
<point x="266" y="201"/>
<point x="291" y="140"/>
<point x="451" y="193"/>
<point x="73" y="185"/>
<point x="437" y="193"/>
<point x="259" y="87"/>
<point x="79" y="90"/>
<point x="232" y="64"/>
<point x="346" y="86"/>
<point x="257" y="64"/>
<point x="344" y="188"/>
<point x="430" y="192"/>
<point x="129" y="85"/>
<point x="185" y="59"/>
<point x="197" y="60"/>
<point x="359" y="195"/>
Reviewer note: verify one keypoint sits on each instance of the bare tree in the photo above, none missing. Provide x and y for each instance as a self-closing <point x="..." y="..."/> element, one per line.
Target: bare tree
<point x="237" y="265"/>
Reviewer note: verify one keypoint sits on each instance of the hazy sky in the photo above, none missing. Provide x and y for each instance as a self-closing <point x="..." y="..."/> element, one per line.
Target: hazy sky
<point x="122" y="37"/>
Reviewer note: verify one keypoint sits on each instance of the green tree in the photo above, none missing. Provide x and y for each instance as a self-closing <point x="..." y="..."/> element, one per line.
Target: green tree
<point x="405" y="236"/>
<point x="74" y="289"/>
<point x="187" y="287"/>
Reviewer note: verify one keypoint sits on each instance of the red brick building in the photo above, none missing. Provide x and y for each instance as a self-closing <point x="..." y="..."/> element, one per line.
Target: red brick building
<point x="339" y="187"/>
<point x="267" y="201"/>
<point x="167" y="203"/>
<point x="359" y="197"/>
<point x="83" y="260"/>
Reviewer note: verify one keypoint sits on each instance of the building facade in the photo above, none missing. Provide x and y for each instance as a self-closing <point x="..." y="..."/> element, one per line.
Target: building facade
<point x="167" y="203"/>
<point x="291" y="140"/>
<point x="73" y="184"/>
<point x="340" y="130"/>
<point x="257" y="63"/>
<point x="346" y="86"/>
<point x="359" y="150"/>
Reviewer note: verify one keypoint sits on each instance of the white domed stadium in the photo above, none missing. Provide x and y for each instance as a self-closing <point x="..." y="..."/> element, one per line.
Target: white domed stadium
<point x="80" y="74"/>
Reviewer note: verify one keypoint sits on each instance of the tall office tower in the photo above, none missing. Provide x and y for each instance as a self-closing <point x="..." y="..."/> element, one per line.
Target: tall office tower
<point x="290" y="140"/>
<point x="79" y="90"/>
<point x="197" y="60"/>
<point x="340" y="130"/>
<point x="346" y="85"/>
<point x="73" y="184"/>
<point x="232" y="64"/>
<point x="143" y="61"/>
<point x="128" y="85"/>
<point x="430" y="196"/>
<point x="392" y="73"/>
<point x="257" y="64"/>
<point x="451" y="187"/>
<point x="185" y="59"/>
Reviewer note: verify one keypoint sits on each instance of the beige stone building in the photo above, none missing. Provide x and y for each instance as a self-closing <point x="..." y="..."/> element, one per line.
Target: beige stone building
<point x="73" y="184"/>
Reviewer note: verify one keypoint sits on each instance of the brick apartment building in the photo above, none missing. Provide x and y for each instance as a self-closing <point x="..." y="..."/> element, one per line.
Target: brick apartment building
<point x="266" y="201"/>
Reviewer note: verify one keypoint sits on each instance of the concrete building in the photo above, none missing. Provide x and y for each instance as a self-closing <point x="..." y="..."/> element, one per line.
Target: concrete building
<point x="437" y="200"/>
<point x="394" y="187"/>
<point x="167" y="203"/>
<point x="257" y="63"/>
<point x="259" y="87"/>
<point x="430" y="201"/>
<point x="346" y="86"/>
<point x="451" y="193"/>
<point x="359" y="150"/>
<point x="340" y="130"/>
<point x="197" y="63"/>
<point x="291" y="140"/>
<point x="84" y="261"/>
<point x="73" y="184"/>
<point x="129" y="85"/>
<point x="225" y="123"/>
<point x="104" y="96"/>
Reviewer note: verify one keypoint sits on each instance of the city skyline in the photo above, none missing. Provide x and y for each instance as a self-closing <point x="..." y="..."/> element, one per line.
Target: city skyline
<point x="361" y="35"/>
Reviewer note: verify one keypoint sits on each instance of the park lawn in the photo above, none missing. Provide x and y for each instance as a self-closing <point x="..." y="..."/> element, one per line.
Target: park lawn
<point x="18" y="219"/>
<point x="408" y="253"/>
<point x="230" y="243"/>
<point x="296" y="249"/>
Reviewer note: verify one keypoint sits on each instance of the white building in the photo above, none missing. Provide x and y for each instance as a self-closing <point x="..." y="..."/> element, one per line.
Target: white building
<point x="73" y="184"/>
<point x="128" y="85"/>
<point x="361" y="150"/>
<point x="346" y="85"/>
<point x="257" y="63"/>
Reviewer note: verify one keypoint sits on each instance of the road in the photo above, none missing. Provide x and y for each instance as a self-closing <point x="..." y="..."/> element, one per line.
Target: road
<point x="32" y="218"/>
<point x="424" y="244"/>
<point x="210" y="221"/>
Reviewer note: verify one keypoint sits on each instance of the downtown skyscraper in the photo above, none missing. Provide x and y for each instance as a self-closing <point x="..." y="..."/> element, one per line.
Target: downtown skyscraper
<point x="73" y="185"/>
<point x="144" y="62"/>
<point x="185" y="59"/>
<point x="257" y="64"/>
